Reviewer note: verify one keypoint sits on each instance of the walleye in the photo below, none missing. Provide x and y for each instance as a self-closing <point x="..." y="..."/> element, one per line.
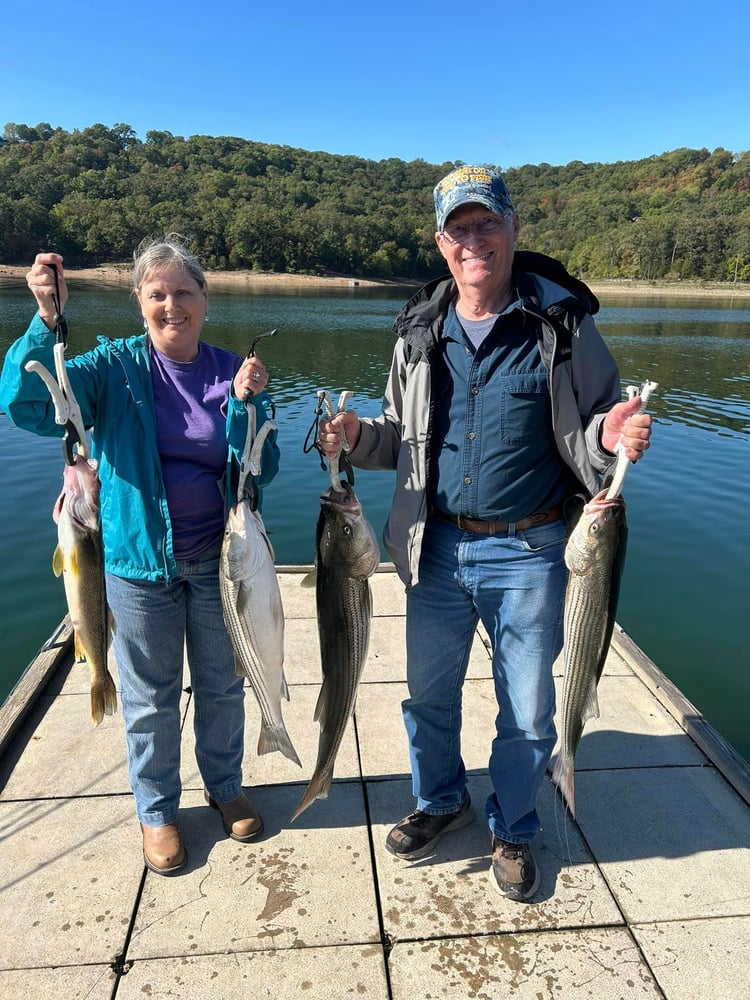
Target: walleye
<point x="78" y="557"/>
<point x="595" y="556"/>
<point x="251" y="601"/>
<point x="346" y="556"/>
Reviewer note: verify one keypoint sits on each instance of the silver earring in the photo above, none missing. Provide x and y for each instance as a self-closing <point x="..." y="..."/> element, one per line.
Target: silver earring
<point x="145" y="324"/>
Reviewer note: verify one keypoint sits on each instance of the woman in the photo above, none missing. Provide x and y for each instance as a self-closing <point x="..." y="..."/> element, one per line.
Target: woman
<point x="168" y="422"/>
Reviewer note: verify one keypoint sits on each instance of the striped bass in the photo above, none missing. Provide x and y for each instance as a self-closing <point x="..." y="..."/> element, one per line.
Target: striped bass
<point x="254" y="618"/>
<point x="595" y="556"/>
<point x="346" y="556"/>
<point x="78" y="558"/>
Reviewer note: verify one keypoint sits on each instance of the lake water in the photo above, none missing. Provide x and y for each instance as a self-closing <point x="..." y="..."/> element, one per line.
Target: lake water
<point x="685" y="592"/>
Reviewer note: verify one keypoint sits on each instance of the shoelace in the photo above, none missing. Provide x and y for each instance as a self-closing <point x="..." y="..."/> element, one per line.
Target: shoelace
<point x="510" y="851"/>
<point x="419" y="818"/>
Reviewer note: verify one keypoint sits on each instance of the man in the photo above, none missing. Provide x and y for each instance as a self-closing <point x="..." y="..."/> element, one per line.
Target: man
<point x="503" y="402"/>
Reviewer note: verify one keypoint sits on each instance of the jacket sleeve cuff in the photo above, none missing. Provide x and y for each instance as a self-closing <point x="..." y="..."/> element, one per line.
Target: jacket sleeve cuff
<point x="600" y="458"/>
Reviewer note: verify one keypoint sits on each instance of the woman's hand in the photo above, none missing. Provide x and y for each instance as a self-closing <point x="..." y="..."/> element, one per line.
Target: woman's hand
<point x="626" y="425"/>
<point x="41" y="281"/>
<point x="251" y="377"/>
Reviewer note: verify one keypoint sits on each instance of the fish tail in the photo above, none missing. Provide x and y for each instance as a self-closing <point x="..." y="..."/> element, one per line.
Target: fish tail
<point x="103" y="697"/>
<point x="277" y="738"/>
<point x="319" y="787"/>
<point x="563" y="776"/>
<point x="110" y="695"/>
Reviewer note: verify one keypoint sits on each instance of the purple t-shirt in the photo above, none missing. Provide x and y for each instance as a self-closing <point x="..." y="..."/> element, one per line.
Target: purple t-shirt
<point x="191" y="406"/>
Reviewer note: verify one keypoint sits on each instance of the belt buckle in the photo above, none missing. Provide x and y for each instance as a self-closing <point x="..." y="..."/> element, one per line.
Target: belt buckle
<point x="459" y="522"/>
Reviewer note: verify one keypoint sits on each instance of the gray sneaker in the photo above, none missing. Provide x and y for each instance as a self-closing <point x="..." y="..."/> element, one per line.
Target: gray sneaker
<point x="513" y="872"/>
<point x="416" y="835"/>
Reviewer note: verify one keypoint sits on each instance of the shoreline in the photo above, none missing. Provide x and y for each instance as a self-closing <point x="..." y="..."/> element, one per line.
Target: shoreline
<point x="119" y="274"/>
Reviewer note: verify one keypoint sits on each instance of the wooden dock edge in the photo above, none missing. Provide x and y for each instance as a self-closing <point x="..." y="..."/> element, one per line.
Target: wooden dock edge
<point x="33" y="681"/>
<point x="719" y="751"/>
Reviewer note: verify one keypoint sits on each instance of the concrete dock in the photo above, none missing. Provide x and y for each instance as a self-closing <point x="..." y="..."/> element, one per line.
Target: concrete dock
<point x="646" y="894"/>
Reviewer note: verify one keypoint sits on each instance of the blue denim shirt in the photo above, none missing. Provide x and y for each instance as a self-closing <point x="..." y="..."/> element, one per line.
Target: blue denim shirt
<point x="493" y="450"/>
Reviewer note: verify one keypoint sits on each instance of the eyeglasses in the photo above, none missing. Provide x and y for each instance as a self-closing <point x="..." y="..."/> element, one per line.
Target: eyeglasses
<point x="484" y="227"/>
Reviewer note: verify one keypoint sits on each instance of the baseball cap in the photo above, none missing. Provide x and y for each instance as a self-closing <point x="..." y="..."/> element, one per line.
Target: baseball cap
<point x="466" y="185"/>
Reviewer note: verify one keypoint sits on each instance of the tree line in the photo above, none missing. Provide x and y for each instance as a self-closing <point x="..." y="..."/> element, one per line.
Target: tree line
<point x="92" y="194"/>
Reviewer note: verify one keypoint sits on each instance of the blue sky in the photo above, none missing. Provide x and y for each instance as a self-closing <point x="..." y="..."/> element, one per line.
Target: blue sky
<point x="490" y="82"/>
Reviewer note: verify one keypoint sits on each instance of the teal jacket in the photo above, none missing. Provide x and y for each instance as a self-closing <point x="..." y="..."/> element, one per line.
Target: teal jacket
<point x="112" y="384"/>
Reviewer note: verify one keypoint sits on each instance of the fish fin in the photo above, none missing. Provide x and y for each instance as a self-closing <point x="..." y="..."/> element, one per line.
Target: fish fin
<point x="277" y="739"/>
<point x="110" y="696"/>
<point x="563" y="776"/>
<point x="103" y="698"/>
<point x="319" y="787"/>
<point x="309" y="579"/>
<point x="243" y="597"/>
<point x="97" y="705"/>
<point x="320" y="704"/>
<point x="284" y="687"/>
<point x="79" y="653"/>
<point x="58" y="561"/>
<point x="269" y="546"/>
<point x="590" y="706"/>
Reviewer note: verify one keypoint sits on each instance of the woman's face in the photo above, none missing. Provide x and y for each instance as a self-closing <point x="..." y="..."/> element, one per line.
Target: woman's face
<point x="174" y="306"/>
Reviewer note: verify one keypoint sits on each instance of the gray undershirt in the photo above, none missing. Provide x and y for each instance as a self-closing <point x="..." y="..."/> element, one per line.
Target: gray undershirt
<point x="477" y="330"/>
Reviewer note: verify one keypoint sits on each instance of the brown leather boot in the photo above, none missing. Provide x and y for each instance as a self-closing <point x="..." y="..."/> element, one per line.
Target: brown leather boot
<point x="239" y="817"/>
<point x="163" y="850"/>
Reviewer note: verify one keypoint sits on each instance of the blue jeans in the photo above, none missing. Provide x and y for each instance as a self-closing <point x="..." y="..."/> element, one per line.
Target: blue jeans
<point x="514" y="584"/>
<point x="156" y="625"/>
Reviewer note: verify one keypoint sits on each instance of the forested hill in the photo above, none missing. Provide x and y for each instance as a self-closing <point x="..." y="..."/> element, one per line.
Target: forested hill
<point x="92" y="194"/>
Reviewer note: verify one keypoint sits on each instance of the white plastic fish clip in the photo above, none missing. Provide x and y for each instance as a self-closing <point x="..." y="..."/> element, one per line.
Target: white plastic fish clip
<point x="324" y="397"/>
<point x="250" y="466"/>
<point x="67" y="410"/>
<point x="623" y="462"/>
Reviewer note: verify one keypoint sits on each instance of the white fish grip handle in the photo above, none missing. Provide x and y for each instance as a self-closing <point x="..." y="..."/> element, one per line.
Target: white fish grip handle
<point x="67" y="410"/>
<point x="623" y="462"/>
<point x="250" y="464"/>
<point x="338" y="464"/>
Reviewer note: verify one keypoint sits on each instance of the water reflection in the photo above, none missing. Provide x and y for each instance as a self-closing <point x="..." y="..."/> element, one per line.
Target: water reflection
<point x="660" y="318"/>
<point x="689" y="554"/>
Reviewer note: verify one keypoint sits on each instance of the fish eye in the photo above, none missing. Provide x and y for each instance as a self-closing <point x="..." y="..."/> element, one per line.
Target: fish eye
<point x="347" y="529"/>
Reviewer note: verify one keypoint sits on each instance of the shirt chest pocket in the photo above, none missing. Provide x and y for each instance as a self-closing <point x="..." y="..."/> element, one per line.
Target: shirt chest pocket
<point x="525" y="410"/>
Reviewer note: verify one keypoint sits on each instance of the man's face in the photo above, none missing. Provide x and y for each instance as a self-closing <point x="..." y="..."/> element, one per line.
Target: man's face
<point x="478" y="247"/>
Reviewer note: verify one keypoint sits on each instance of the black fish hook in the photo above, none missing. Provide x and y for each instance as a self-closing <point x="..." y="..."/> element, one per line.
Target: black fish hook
<point x="311" y="442"/>
<point x="251" y="354"/>
<point x="268" y="333"/>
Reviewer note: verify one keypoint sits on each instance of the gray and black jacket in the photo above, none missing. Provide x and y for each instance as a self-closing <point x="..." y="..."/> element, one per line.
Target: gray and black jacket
<point x="583" y="381"/>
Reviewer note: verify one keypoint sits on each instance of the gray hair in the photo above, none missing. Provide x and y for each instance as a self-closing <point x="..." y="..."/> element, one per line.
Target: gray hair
<point x="154" y="253"/>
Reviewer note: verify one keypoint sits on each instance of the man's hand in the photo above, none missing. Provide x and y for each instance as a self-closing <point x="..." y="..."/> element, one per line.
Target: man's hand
<point x="624" y="424"/>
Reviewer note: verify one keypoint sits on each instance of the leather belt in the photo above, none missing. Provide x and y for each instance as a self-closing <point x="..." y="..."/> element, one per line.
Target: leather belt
<point x="500" y="527"/>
